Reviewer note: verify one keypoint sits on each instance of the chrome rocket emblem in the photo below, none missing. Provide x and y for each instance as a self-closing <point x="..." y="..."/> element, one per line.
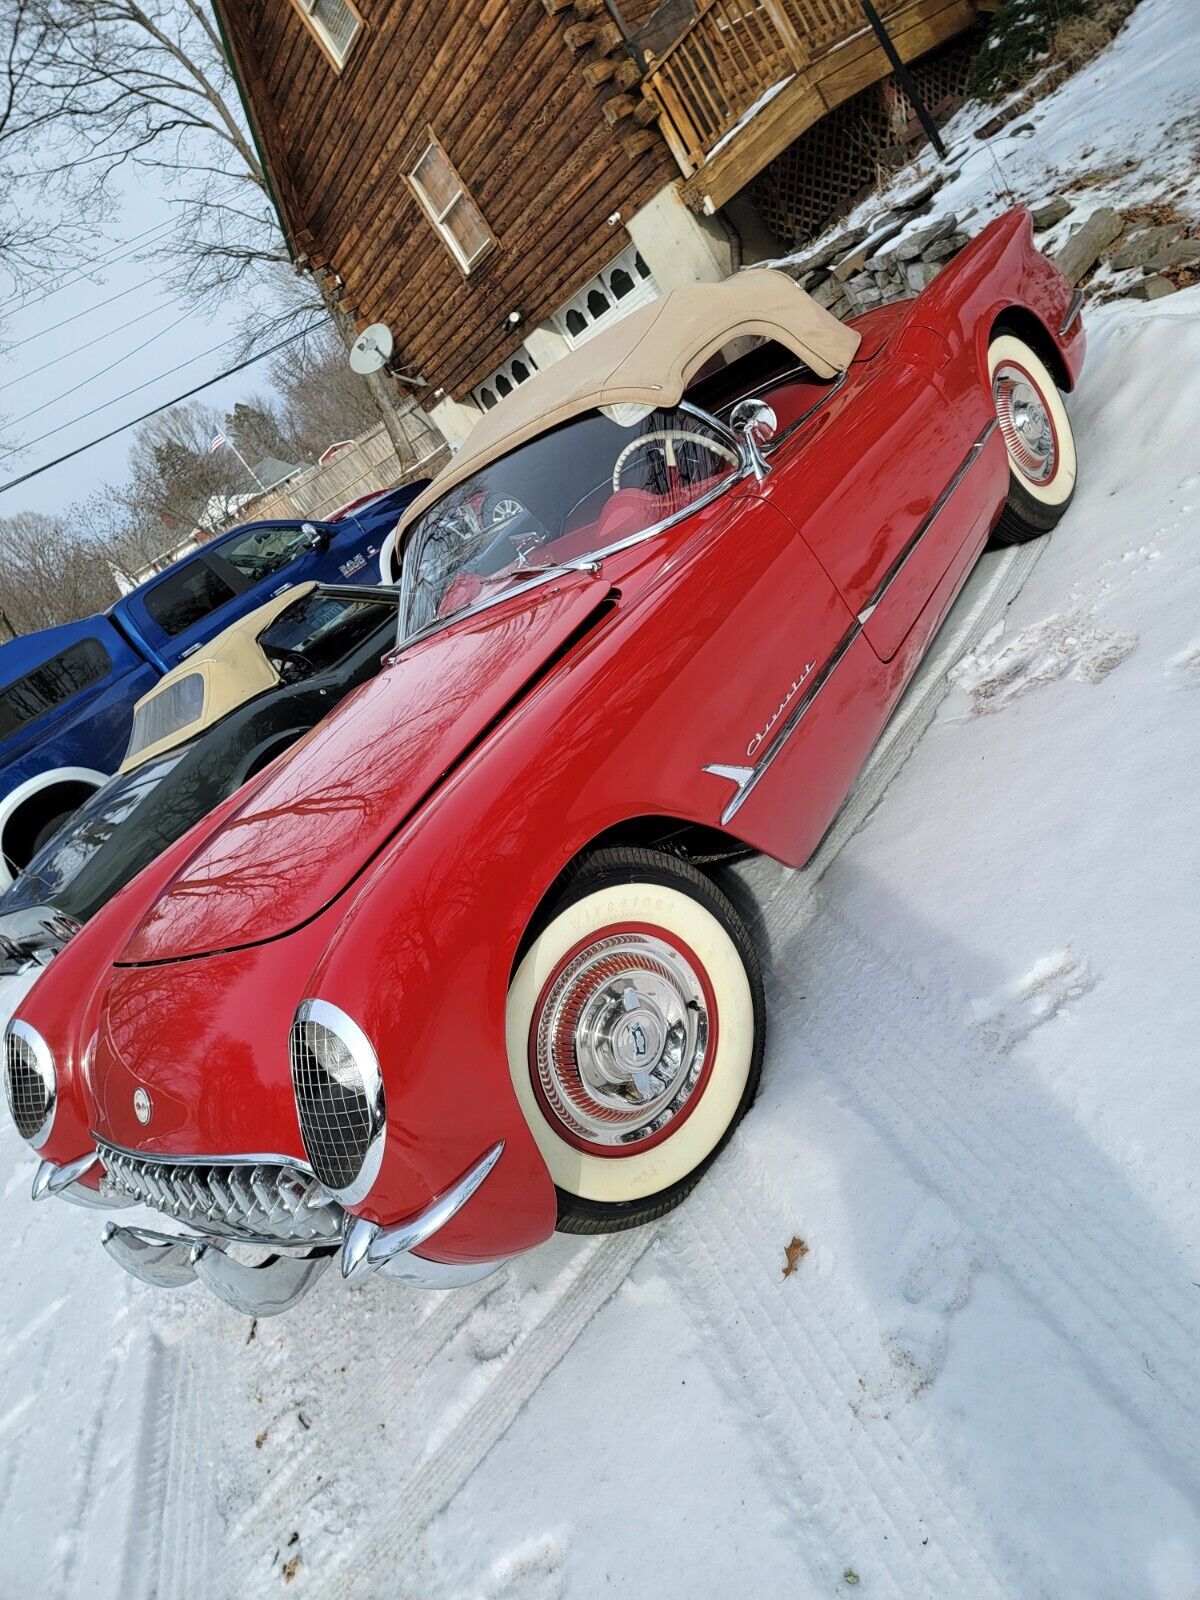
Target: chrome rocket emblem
<point x="142" y="1108"/>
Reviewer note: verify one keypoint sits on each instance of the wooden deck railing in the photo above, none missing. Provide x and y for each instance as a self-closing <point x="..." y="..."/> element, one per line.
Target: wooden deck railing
<point x="732" y="56"/>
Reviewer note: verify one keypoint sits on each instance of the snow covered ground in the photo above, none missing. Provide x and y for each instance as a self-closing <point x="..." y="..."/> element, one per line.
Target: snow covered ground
<point x="979" y="1112"/>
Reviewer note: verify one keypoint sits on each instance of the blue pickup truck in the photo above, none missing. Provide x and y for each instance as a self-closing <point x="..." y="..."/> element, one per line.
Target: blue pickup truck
<point x="67" y="693"/>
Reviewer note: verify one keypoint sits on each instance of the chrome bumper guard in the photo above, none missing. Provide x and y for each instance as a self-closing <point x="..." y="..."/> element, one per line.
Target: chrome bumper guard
<point x="368" y="1247"/>
<point x="273" y="1285"/>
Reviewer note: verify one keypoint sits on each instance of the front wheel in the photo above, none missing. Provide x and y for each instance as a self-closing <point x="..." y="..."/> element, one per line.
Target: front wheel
<point x="1037" y="435"/>
<point x="635" y="1035"/>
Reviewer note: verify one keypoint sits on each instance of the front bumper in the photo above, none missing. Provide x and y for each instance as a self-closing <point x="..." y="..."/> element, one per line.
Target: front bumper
<point x="275" y="1282"/>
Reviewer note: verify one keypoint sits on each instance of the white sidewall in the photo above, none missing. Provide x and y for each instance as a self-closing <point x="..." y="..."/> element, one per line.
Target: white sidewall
<point x="615" y="1179"/>
<point x="1058" y="490"/>
<point x="32" y="786"/>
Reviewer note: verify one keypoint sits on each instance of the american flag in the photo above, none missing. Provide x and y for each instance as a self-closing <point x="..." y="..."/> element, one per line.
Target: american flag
<point x="219" y="441"/>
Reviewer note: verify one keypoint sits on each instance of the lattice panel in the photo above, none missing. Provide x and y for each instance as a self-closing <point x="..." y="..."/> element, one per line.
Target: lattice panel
<point x="822" y="174"/>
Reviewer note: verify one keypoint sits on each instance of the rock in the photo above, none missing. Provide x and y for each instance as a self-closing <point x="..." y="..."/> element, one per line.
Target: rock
<point x="831" y="251"/>
<point x="1088" y="243"/>
<point x="1184" y="254"/>
<point x="945" y="248"/>
<point x="917" y="243"/>
<point x="1151" y="289"/>
<point x="920" y="274"/>
<point x="1054" y="211"/>
<point x="828" y="293"/>
<point x="1144" y="246"/>
<point x="918" y="196"/>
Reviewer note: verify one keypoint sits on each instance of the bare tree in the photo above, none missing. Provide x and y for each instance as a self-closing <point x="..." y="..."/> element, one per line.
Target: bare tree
<point x="51" y="572"/>
<point x="93" y="86"/>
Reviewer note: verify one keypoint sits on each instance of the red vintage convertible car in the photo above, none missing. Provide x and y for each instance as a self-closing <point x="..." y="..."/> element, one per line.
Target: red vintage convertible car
<point x="454" y="971"/>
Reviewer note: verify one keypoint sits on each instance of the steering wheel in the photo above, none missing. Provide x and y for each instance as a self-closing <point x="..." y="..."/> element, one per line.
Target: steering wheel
<point x="668" y="438"/>
<point x="291" y="665"/>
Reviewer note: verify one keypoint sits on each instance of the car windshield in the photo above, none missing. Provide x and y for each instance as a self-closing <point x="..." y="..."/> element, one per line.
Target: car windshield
<point x="73" y="846"/>
<point x="318" y="632"/>
<point x="580" y="489"/>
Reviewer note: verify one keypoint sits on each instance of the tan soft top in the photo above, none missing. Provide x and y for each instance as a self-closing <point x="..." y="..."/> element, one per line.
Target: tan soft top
<point x="648" y="358"/>
<point x="232" y="667"/>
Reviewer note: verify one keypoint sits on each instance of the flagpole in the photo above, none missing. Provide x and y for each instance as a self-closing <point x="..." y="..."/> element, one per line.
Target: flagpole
<point x="249" y="469"/>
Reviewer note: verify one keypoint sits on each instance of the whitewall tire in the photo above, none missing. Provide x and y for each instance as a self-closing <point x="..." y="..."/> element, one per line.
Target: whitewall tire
<point x="1036" y="430"/>
<point x="635" y="1034"/>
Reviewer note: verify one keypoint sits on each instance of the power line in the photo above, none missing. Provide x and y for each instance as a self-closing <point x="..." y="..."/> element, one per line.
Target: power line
<point x="166" y="406"/>
<point x="105" y="260"/>
<point x="123" y="294"/>
<point x="77" y="350"/>
<point x="27" y="444"/>
<point x="83" y="382"/>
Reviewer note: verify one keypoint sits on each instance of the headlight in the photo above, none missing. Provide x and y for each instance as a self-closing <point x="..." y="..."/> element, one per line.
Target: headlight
<point x="29" y="1082"/>
<point x="339" y="1099"/>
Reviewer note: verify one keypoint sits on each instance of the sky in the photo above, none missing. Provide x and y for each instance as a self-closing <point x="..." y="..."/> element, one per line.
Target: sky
<point x="79" y="343"/>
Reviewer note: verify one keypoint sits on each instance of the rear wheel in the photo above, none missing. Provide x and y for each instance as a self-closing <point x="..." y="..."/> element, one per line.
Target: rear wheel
<point x="635" y="1035"/>
<point x="1037" y="435"/>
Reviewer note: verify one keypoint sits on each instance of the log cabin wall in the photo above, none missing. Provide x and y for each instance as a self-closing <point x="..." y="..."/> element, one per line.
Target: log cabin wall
<point x="517" y="117"/>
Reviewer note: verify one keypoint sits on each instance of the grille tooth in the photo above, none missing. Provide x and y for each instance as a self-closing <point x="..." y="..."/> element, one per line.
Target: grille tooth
<point x="29" y="1096"/>
<point x="238" y="1199"/>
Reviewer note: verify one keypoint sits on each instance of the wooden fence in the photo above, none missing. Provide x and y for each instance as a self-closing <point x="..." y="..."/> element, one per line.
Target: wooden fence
<point x="369" y="465"/>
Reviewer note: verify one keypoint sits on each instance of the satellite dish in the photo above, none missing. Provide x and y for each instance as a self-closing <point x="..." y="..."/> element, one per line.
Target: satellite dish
<point x="372" y="349"/>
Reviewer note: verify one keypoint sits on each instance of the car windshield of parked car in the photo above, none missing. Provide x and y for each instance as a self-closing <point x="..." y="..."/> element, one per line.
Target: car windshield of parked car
<point x="92" y="826"/>
<point x="574" y="492"/>
<point x="318" y="632"/>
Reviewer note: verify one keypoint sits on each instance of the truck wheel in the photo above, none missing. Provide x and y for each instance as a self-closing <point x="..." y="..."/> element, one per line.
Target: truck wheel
<point x="635" y="1035"/>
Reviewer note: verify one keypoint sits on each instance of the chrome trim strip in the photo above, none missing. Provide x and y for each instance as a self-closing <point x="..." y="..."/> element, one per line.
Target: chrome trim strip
<point x="298" y="1163"/>
<point x="368" y="1247"/>
<point x="362" y="1052"/>
<point x="1073" y="310"/>
<point x="745" y="785"/>
<point x="935" y="510"/>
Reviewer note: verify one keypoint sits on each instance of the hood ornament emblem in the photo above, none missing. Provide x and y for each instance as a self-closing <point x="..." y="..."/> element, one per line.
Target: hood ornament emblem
<point x="142" y="1106"/>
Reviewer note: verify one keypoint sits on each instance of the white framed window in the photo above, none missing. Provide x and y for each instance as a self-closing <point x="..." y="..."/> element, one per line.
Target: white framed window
<point x="623" y="286"/>
<point x="445" y="201"/>
<point x="516" y="370"/>
<point x="334" y="24"/>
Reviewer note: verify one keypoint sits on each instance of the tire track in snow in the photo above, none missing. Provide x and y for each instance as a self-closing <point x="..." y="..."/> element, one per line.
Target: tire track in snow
<point x="794" y="1365"/>
<point x="1053" y="1211"/>
<point x="369" y="1565"/>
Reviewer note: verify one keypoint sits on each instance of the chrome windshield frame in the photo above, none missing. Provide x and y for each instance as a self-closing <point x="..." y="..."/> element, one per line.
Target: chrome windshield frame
<point x="590" y="561"/>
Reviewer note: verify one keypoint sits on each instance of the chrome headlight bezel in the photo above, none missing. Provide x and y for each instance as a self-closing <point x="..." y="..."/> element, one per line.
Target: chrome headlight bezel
<point x="43" y="1062"/>
<point x="361" y="1052"/>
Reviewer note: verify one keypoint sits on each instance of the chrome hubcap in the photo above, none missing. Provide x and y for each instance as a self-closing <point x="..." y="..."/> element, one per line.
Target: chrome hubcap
<point x="620" y="1039"/>
<point x="1025" y="424"/>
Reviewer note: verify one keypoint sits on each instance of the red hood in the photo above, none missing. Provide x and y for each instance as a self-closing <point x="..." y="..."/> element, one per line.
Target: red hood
<point x="316" y="821"/>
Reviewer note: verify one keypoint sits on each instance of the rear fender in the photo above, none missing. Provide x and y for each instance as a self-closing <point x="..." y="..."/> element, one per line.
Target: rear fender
<point x="997" y="272"/>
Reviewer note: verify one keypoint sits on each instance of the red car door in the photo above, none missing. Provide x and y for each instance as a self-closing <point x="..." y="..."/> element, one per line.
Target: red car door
<point x="875" y="491"/>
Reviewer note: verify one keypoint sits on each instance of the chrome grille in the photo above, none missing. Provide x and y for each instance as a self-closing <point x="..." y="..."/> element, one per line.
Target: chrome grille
<point x="331" y="1100"/>
<point x="243" y="1199"/>
<point x="30" y="1095"/>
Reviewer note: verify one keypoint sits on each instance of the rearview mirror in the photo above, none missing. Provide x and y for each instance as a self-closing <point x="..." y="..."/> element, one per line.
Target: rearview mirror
<point x="755" y="424"/>
<point x="318" y="538"/>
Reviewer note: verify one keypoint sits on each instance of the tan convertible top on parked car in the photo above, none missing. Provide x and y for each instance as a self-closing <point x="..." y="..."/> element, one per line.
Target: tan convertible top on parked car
<point x="648" y="359"/>
<point x="221" y="676"/>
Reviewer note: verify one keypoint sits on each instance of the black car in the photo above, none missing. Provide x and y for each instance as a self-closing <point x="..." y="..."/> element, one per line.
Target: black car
<point x="323" y="646"/>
